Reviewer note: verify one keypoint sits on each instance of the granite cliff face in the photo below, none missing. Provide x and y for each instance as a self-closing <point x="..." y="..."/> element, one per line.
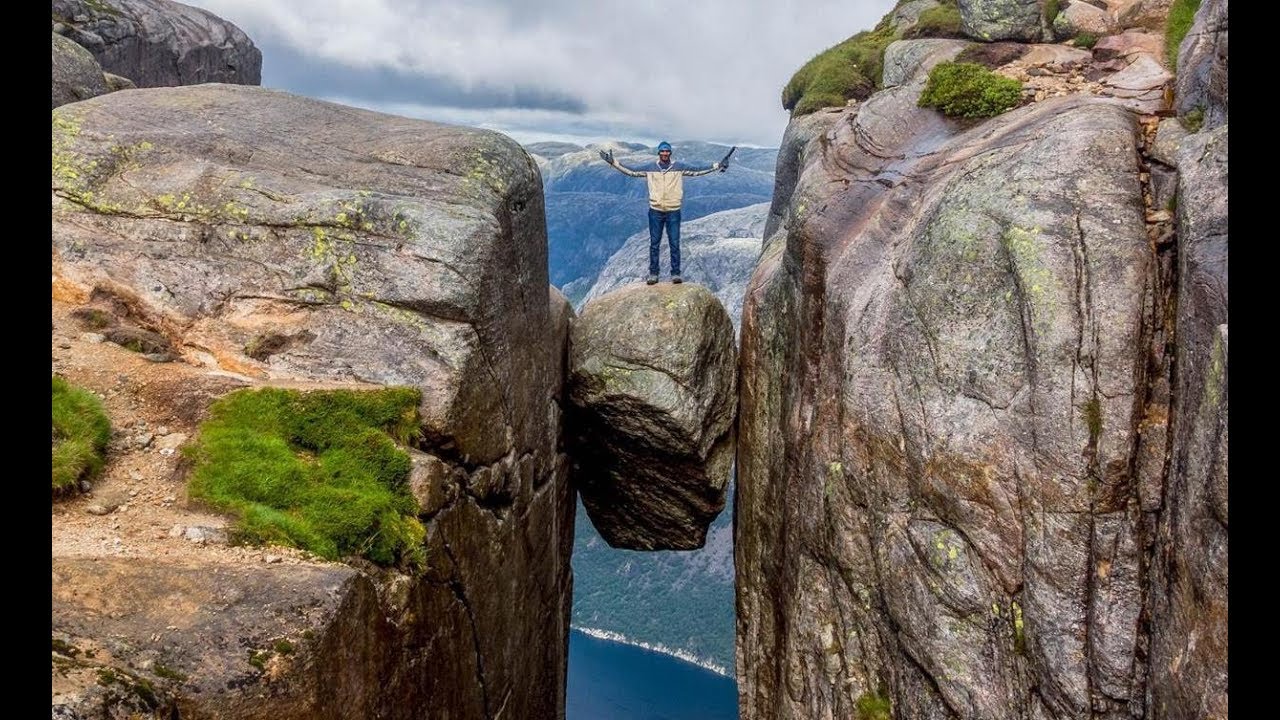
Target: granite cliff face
<point x="284" y="239"/>
<point x="1189" y="618"/>
<point x="958" y="489"/>
<point x="158" y="43"/>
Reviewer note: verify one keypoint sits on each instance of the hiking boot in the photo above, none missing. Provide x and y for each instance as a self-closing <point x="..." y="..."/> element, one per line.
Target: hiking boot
<point x="676" y="279"/>
<point x="653" y="280"/>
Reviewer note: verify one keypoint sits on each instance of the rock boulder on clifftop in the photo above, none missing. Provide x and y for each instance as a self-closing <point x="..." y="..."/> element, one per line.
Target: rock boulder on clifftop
<point x="76" y="75"/>
<point x="653" y="396"/>
<point x="158" y="43"/>
<point x="1002" y="19"/>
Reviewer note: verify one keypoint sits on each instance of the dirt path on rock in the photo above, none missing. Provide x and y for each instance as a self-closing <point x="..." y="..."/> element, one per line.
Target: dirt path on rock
<point x="138" y="506"/>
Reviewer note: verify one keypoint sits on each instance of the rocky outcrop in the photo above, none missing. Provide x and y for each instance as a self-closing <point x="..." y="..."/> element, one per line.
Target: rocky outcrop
<point x="159" y="43"/>
<point x="76" y="75"/>
<point x="1002" y="19"/>
<point x="1128" y="44"/>
<point x="717" y="251"/>
<point x="1146" y="14"/>
<point x="793" y="156"/>
<point x="1082" y="18"/>
<point x="1141" y="85"/>
<point x="944" y="358"/>
<point x="1189" y="614"/>
<point x="1169" y="136"/>
<point x="1202" y="66"/>
<point x="285" y="238"/>
<point x="307" y="641"/>
<point x="907" y="60"/>
<point x="907" y="13"/>
<point x="652" y="395"/>
<point x="119" y="82"/>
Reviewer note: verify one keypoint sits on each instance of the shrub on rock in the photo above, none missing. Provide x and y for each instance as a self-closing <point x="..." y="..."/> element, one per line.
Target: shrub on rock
<point x="969" y="90"/>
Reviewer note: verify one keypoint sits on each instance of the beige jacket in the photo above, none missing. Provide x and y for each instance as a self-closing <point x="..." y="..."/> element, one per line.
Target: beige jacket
<point x="666" y="185"/>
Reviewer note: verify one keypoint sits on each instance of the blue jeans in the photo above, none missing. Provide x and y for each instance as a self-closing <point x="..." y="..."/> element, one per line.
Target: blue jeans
<point x="657" y="219"/>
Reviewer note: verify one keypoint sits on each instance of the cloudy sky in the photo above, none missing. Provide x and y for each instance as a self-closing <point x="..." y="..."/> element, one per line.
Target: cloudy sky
<point x="582" y="70"/>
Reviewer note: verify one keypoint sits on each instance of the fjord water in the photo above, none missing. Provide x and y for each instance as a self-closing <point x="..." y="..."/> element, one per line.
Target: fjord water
<point x="614" y="681"/>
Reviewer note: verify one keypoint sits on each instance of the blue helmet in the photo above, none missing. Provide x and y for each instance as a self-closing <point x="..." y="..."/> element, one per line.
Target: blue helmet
<point x="664" y="145"/>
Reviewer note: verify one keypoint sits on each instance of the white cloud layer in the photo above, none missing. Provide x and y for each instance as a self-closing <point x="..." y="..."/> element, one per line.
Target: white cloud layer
<point x="710" y="69"/>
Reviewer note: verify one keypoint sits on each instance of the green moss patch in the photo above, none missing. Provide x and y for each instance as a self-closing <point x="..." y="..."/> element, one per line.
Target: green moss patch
<point x="1051" y="10"/>
<point x="1085" y="40"/>
<point x="1193" y="120"/>
<point x="80" y="434"/>
<point x="969" y="90"/>
<point x="320" y="470"/>
<point x="942" y="21"/>
<point x="851" y="69"/>
<point x="874" y="706"/>
<point x="1181" y="15"/>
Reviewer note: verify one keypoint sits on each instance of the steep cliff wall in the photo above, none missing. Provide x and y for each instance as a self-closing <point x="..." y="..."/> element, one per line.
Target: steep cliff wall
<point x="284" y="239"/>
<point x="955" y="401"/>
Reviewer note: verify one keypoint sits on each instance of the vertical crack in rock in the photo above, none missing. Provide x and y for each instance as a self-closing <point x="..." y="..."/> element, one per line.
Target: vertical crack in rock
<point x="460" y="594"/>
<point x="1027" y="320"/>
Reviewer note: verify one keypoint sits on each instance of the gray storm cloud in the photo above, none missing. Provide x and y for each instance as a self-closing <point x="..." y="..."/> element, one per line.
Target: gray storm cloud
<point x="691" y="69"/>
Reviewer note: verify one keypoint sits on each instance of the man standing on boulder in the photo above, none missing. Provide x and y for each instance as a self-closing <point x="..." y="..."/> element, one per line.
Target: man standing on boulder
<point x="666" y="191"/>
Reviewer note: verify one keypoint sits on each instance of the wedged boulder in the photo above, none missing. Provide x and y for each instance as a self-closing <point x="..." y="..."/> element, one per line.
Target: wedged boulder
<point x="1169" y="136"/>
<point x="1189" y="649"/>
<point x="159" y="43"/>
<point x="76" y="75"/>
<point x="942" y="377"/>
<point x="907" y="60"/>
<point x="1002" y="19"/>
<point x="653" y="401"/>
<point x="1202" y="66"/>
<point x="285" y="238"/>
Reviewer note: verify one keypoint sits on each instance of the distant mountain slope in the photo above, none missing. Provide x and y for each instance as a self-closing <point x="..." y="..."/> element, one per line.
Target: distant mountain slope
<point x="592" y="208"/>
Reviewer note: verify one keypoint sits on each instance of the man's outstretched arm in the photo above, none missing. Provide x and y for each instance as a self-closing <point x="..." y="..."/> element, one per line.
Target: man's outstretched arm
<point x="695" y="172"/>
<point x="721" y="166"/>
<point x="607" y="156"/>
